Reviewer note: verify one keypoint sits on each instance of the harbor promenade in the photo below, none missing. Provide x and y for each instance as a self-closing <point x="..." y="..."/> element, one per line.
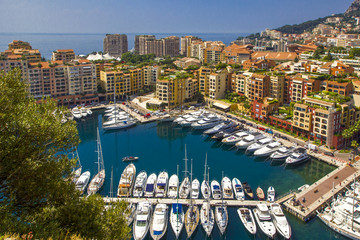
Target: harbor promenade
<point x="168" y="201"/>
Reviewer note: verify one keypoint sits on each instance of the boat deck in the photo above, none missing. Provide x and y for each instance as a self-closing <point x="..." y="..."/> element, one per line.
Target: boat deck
<point x="229" y="203"/>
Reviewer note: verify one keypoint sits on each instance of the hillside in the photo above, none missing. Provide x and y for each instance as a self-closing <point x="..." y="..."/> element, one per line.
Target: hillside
<point x="300" y="28"/>
<point x="354" y="7"/>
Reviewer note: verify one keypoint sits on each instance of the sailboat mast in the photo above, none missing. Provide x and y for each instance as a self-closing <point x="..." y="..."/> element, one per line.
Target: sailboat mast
<point x="205" y="167"/>
<point x="98" y="148"/>
<point x="77" y="154"/>
<point x="185" y="159"/>
<point x="111" y="183"/>
<point x="352" y="222"/>
<point x="191" y="173"/>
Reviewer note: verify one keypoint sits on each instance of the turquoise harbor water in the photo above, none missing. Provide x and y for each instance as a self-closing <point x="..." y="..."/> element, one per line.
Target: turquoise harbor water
<point x="161" y="147"/>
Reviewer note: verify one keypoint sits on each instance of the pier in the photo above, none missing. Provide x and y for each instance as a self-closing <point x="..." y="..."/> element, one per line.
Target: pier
<point x="169" y="201"/>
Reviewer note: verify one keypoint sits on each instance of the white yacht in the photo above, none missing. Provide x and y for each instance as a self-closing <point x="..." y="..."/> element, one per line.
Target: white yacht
<point x="247" y="218"/>
<point x="206" y="123"/>
<point x="184" y="188"/>
<point x="207" y="218"/>
<point x="190" y="120"/>
<point x="159" y="221"/>
<point x="142" y="220"/>
<point x="222" y="218"/>
<point x="83" y="112"/>
<point x="299" y="155"/>
<point x="271" y="194"/>
<point x="150" y="185"/>
<point x="215" y="129"/>
<point x="113" y="120"/>
<point x="115" y="113"/>
<point x="125" y="123"/>
<point x="195" y="189"/>
<point x="233" y="139"/>
<point x="139" y="186"/>
<point x="258" y="144"/>
<point x="263" y="219"/>
<point x="82" y="181"/>
<point x="173" y="186"/>
<point x="238" y="189"/>
<point x="161" y="184"/>
<point x="177" y="218"/>
<point x="267" y="150"/>
<point x="282" y="153"/>
<point x="215" y="189"/>
<point x="227" y="188"/>
<point x="248" y="140"/>
<point x="126" y="181"/>
<point x="76" y="113"/>
<point x="280" y="221"/>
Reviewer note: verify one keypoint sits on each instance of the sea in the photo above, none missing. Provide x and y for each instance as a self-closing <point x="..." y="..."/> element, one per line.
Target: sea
<point x="84" y="44"/>
<point x="161" y="146"/>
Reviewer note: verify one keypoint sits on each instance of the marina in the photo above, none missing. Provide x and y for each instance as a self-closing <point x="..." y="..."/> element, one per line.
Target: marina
<point x="174" y="134"/>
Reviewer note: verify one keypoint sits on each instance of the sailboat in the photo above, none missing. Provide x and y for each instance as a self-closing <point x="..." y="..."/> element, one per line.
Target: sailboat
<point x="192" y="216"/>
<point x="177" y="214"/>
<point x="98" y="181"/>
<point x="207" y="217"/>
<point x="77" y="171"/>
<point x="205" y="188"/>
<point x="221" y="215"/>
<point x="185" y="184"/>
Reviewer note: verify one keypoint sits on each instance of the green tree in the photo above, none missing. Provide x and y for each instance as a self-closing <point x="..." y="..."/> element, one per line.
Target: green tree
<point x="36" y="193"/>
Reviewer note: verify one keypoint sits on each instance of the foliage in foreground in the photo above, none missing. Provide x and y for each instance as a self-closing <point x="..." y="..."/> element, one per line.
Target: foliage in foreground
<point x="34" y="197"/>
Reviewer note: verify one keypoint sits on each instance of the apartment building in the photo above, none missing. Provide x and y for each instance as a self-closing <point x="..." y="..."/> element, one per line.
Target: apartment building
<point x="204" y="74"/>
<point x="262" y="109"/>
<point x="191" y="87"/>
<point x="335" y="68"/>
<point x="150" y="74"/>
<point x="302" y="118"/>
<point x="185" y="44"/>
<point x="257" y="87"/>
<point x="140" y="43"/>
<point x="217" y="85"/>
<point x="235" y="54"/>
<point x="259" y="64"/>
<point x="186" y="62"/>
<point x="136" y="80"/>
<point x="342" y="88"/>
<point x="171" y="46"/>
<point x="146" y="44"/>
<point x="277" y="88"/>
<point x="241" y="82"/>
<point x="64" y="55"/>
<point x="117" y="81"/>
<point x="30" y="55"/>
<point x="212" y="54"/>
<point x="17" y="44"/>
<point x="300" y="87"/>
<point x="115" y="44"/>
<point x="170" y="91"/>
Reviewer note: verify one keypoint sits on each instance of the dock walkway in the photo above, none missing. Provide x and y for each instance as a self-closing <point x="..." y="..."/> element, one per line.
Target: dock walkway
<point x="229" y="203"/>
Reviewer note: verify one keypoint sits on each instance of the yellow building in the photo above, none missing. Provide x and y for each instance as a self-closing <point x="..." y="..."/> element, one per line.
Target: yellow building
<point x="136" y="80"/>
<point x="117" y="80"/>
<point x="204" y="74"/>
<point x="302" y="118"/>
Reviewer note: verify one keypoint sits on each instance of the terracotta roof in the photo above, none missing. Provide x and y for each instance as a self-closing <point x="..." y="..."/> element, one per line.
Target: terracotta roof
<point x="65" y="50"/>
<point x="277" y="56"/>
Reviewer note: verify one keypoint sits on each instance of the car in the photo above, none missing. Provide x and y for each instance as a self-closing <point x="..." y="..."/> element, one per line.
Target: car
<point x="331" y="154"/>
<point x="261" y="128"/>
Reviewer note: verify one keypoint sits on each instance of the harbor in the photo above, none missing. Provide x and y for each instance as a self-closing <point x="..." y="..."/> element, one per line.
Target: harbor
<point x="173" y="133"/>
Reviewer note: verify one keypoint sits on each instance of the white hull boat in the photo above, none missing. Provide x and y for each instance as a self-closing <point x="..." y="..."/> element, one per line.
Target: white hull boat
<point x="195" y="189"/>
<point x="258" y="145"/>
<point x="139" y="185"/>
<point x="299" y="155"/>
<point x="126" y="181"/>
<point x="215" y="190"/>
<point x="233" y="139"/>
<point x="238" y="189"/>
<point x="248" y="220"/>
<point x="126" y="123"/>
<point x="161" y="184"/>
<point x="263" y="219"/>
<point x="177" y="218"/>
<point x="280" y="221"/>
<point x="207" y="218"/>
<point x="282" y="153"/>
<point x="205" y="190"/>
<point x="248" y="140"/>
<point x="271" y="194"/>
<point x="159" y="221"/>
<point x="222" y="218"/>
<point x="267" y="150"/>
<point x="142" y="220"/>
<point x="184" y="188"/>
<point x="82" y="181"/>
<point x="173" y="186"/>
<point x="150" y="185"/>
<point x="227" y="188"/>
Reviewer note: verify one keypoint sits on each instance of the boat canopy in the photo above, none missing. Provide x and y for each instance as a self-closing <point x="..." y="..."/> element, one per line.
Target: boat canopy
<point x="216" y="187"/>
<point x="149" y="188"/>
<point x="161" y="184"/>
<point x="177" y="208"/>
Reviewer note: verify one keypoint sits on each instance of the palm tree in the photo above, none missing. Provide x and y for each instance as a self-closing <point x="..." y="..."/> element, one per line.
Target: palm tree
<point x="355" y="145"/>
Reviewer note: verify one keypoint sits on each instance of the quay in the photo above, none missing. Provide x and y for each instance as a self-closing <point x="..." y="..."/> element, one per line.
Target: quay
<point x="168" y="201"/>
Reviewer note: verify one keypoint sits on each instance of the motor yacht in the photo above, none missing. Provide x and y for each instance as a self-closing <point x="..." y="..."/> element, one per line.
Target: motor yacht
<point x="258" y="144"/>
<point x="126" y="181"/>
<point x="195" y="187"/>
<point x="139" y="185"/>
<point x="238" y="189"/>
<point x="282" y="153"/>
<point x="82" y="181"/>
<point x="191" y="120"/>
<point x="233" y="139"/>
<point x="206" y="123"/>
<point x="280" y="221"/>
<point x="150" y="185"/>
<point x="215" y="189"/>
<point x="126" y="123"/>
<point x="161" y="184"/>
<point x="112" y="121"/>
<point x="115" y="113"/>
<point x="226" y="133"/>
<point x="227" y="188"/>
<point x="159" y="221"/>
<point x="142" y="220"/>
<point x="271" y="194"/>
<point x="267" y="150"/>
<point x="248" y="220"/>
<point x="207" y="218"/>
<point x="220" y="127"/>
<point x="299" y="155"/>
<point x="177" y="218"/>
<point x="263" y="219"/>
<point x="76" y="113"/>
<point x="248" y="140"/>
<point x="173" y="186"/>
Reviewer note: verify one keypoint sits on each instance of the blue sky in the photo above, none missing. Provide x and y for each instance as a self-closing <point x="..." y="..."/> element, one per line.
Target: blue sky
<point x="159" y="16"/>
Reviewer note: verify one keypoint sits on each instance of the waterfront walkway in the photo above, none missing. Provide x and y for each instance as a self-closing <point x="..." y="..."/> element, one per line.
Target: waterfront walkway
<point x="305" y="204"/>
<point x="229" y="203"/>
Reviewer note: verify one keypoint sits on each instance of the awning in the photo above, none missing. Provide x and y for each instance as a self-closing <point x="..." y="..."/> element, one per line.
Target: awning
<point x="161" y="184"/>
<point x="149" y="187"/>
<point x="216" y="187"/>
<point x="221" y="105"/>
<point x="177" y="208"/>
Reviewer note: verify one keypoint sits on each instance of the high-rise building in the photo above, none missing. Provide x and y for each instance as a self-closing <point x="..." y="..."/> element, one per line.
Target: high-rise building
<point x="171" y="46"/>
<point x="115" y="44"/>
<point x="146" y="44"/>
<point x="65" y="55"/>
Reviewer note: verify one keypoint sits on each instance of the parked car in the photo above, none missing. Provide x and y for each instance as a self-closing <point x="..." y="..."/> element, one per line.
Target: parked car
<point x="331" y="154"/>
